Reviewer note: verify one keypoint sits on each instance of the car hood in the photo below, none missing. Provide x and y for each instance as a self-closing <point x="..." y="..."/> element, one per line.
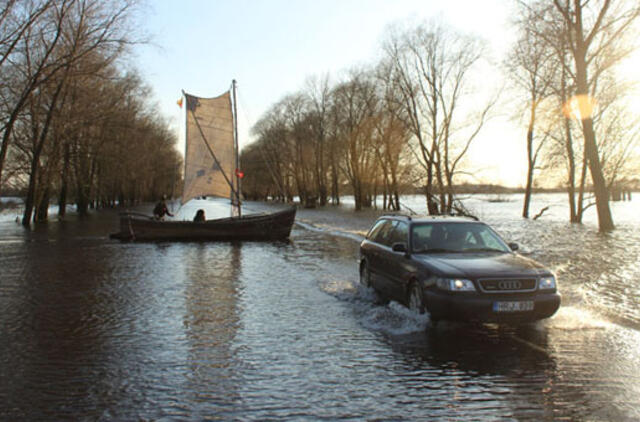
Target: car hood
<point x="481" y="265"/>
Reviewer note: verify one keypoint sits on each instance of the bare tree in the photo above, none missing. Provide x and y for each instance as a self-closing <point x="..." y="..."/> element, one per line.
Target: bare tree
<point x="85" y="30"/>
<point x="432" y="66"/>
<point x="276" y="152"/>
<point x="532" y="66"/>
<point x="356" y="105"/>
<point x="590" y="38"/>
<point x="15" y="19"/>
<point x="319" y="98"/>
<point x="37" y="44"/>
<point x="393" y="138"/>
<point x="594" y="30"/>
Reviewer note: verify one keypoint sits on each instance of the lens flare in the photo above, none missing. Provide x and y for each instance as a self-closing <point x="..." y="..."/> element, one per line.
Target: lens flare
<point x="579" y="107"/>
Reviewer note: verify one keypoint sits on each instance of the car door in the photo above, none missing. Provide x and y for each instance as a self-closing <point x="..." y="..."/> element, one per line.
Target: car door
<point x="394" y="263"/>
<point x="378" y="238"/>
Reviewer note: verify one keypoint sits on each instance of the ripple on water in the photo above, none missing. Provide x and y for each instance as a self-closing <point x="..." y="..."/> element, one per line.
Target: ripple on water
<point x="94" y="329"/>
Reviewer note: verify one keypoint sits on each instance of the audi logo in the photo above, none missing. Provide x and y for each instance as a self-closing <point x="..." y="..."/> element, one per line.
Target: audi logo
<point x="510" y="285"/>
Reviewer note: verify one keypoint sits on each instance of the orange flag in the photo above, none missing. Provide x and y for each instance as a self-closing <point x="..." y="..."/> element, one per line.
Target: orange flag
<point x="179" y="102"/>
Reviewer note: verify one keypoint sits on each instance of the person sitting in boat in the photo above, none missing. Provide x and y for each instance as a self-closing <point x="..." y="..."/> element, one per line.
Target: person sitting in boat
<point x="161" y="209"/>
<point x="199" y="218"/>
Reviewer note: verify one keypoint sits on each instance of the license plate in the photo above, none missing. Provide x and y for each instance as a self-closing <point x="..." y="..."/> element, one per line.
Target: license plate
<point x="513" y="306"/>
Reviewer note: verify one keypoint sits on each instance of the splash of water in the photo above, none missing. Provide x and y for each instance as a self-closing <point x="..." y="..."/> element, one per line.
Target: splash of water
<point x="391" y="319"/>
<point x="570" y="318"/>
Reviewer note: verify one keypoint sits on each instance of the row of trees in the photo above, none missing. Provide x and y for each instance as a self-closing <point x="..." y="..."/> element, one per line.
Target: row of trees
<point x="565" y="63"/>
<point x="407" y="121"/>
<point x="413" y="116"/>
<point x="75" y="127"/>
<point x="314" y="142"/>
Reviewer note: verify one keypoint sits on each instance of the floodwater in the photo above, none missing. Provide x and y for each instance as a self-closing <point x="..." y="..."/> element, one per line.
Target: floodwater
<point x="94" y="329"/>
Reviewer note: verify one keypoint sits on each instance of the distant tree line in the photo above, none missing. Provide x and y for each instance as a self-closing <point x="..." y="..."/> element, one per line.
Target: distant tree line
<point x="406" y="121"/>
<point x="565" y="64"/>
<point x="75" y="128"/>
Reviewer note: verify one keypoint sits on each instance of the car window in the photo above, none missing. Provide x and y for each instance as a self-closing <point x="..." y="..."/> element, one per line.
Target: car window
<point x="490" y="240"/>
<point x="419" y="237"/>
<point x="376" y="229"/>
<point x="400" y="233"/>
<point x="455" y="237"/>
<point x="384" y="235"/>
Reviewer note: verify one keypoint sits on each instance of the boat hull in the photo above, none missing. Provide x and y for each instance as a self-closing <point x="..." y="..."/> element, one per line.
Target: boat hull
<point x="260" y="227"/>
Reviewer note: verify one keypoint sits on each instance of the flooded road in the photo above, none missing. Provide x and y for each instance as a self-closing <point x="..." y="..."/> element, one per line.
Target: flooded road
<point x="95" y="329"/>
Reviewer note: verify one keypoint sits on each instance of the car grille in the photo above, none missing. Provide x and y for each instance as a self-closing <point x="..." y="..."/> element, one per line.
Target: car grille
<point x="508" y="285"/>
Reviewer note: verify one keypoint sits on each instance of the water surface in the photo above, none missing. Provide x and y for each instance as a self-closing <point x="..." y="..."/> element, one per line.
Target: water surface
<point x="96" y="329"/>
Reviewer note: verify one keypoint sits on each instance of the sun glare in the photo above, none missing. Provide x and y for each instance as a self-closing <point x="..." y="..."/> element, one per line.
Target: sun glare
<point x="579" y="107"/>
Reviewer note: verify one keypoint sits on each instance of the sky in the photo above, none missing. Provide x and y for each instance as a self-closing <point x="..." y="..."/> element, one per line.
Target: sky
<point x="272" y="46"/>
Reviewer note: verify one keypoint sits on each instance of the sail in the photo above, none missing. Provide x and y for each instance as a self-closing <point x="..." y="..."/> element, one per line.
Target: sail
<point x="209" y="156"/>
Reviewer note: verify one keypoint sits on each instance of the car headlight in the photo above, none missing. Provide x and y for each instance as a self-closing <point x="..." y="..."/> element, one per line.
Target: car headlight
<point x="456" y="285"/>
<point x="547" y="283"/>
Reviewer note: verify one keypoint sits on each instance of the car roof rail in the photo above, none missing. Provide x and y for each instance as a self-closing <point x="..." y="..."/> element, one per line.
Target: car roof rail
<point x="469" y="216"/>
<point x="445" y="216"/>
<point x="396" y="214"/>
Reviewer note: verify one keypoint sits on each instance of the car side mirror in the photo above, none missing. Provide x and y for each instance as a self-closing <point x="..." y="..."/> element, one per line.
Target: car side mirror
<point x="514" y="246"/>
<point x="399" y="247"/>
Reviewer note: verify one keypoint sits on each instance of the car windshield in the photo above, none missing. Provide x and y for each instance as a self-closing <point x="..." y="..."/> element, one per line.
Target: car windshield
<point x="455" y="237"/>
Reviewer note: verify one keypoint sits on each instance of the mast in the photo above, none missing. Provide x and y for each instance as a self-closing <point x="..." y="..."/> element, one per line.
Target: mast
<point x="186" y="143"/>
<point x="235" y="148"/>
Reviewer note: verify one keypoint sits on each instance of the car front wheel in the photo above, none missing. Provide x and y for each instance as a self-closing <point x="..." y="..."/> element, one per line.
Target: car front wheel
<point x="415" y="300"/>
<point x="365" y="274"/>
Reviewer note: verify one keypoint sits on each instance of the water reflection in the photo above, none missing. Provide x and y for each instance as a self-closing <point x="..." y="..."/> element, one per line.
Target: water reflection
<point x="211" y="322"/>
<point x="58" y="318"/>
<point x="481" y="370"/>
<point x="566" y="367"/>
<point x="96" y="329"/>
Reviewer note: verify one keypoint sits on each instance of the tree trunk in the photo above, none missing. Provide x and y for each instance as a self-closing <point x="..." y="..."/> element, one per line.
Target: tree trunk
<point x="571" y="188"/>
<point x="583" y="182"/>
<point x="30" y="199"/>
<point x="6" y="136"/>
<point x="530" y="163"/>
<point x="35" y="162"/>
<point x="42" y="210"/>
<point x="605" y="220"/>
<point x="335" y="186"/>
<point x="357" y="195"/>
<point x="62" y="197"/>
<point x="432" y="203"/>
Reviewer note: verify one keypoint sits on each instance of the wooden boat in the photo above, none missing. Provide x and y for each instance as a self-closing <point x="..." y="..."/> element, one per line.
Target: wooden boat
<point x="267" y="226"/>
<point x="210" y="159"/>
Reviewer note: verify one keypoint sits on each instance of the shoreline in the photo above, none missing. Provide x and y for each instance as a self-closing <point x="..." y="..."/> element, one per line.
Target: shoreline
<point x="344" y="218"/>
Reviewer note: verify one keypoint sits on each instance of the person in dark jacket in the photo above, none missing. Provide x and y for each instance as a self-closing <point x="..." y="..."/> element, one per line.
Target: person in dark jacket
<point x="161" y="209"/>
<point x="199" y="218"/>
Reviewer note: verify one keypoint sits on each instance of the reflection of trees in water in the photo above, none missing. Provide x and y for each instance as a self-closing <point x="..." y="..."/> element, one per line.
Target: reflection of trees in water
<point x="211" y="321"/>
<point x="56" y="313"/>
<point x="89" y="330"/>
